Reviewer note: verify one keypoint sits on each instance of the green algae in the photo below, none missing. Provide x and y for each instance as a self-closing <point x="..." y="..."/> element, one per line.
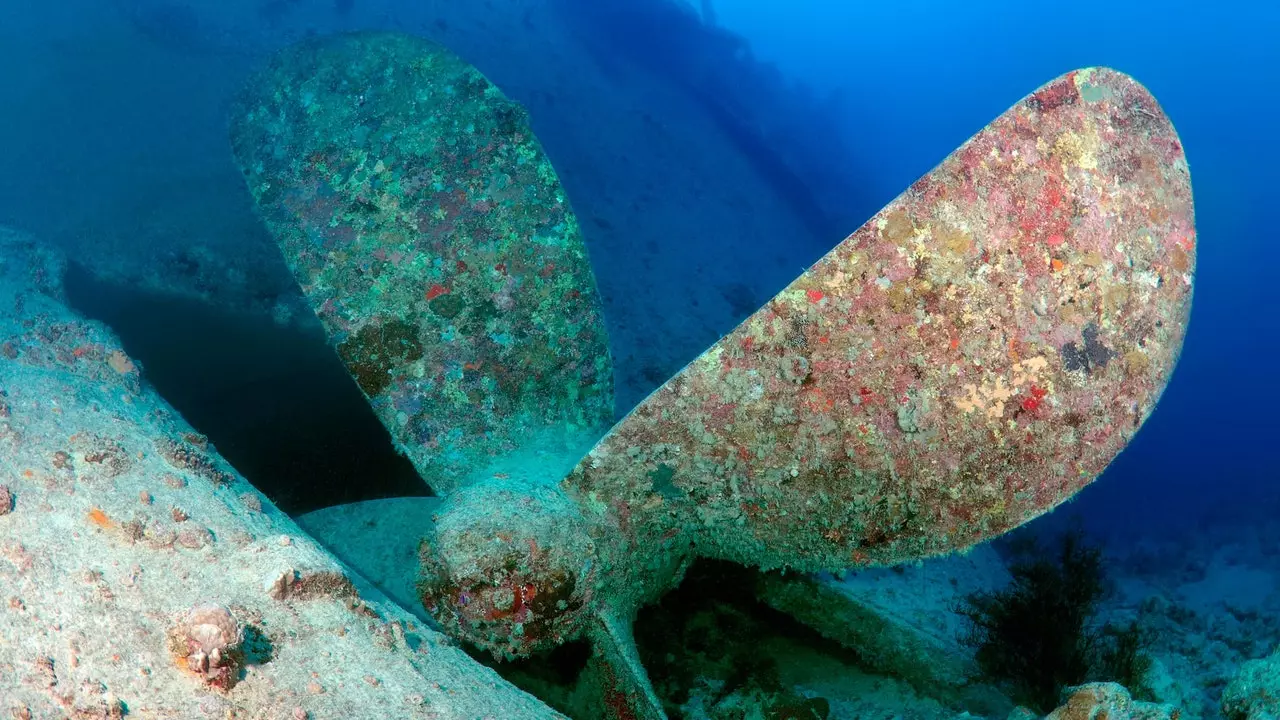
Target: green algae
<point x="432" y="237"/>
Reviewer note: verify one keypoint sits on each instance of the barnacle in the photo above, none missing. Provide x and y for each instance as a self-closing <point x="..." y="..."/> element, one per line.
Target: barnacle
<point x="207" y="641"/>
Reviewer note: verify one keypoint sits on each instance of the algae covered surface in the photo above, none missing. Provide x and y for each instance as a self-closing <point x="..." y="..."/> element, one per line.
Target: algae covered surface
<point x="430" y="233"/>
<point x="972" y="356"/>
<point x="976" y="353"/>
<point x="141" y="576"/>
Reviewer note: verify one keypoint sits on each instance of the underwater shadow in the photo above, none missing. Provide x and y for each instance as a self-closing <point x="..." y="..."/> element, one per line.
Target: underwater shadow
<point x="276" y="402"/>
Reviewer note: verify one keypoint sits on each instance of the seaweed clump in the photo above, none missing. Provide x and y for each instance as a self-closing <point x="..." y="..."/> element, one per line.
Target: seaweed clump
<point x="1120" y="657"/>
<point x="1040" y="635"/>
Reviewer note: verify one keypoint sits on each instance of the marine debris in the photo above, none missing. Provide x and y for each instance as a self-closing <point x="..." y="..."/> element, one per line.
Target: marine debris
<point x="795" y="139"/>
<point x="976" y="353"/>
<point x="902" y="621"/>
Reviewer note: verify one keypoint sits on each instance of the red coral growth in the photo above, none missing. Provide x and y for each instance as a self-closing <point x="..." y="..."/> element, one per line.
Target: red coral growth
<point x="1032" y="402"/>
<point x="1062" y="92"/>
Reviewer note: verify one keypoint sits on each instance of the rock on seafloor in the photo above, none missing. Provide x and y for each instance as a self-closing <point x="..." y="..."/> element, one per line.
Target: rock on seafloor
<point x="141" y="576"/>
<point x="1108" y="701"/>
<point x="1254" y="693"/>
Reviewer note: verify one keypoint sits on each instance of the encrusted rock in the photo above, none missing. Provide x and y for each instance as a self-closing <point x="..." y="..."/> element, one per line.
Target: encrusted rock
<point x="1254" y="693"/>
<point x="1109" y="701"/>
<point x="291" y="584"/>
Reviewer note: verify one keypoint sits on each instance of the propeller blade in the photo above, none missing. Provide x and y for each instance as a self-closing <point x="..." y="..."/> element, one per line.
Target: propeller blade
<point x="432" y="237"/>
<point x="972" y="356"/>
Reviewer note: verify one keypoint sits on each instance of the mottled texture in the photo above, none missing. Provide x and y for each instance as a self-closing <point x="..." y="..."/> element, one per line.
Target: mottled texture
<point x="508" y="566"/>
<point x="430" y="234"/>
<point x="972" y="356"/>
<point x="1254" y="693"/>
<point x="207" y="642"/>
<point x="976" y="353"/>
<point x="1109" y="701"/>
<point x="104" y="608"/>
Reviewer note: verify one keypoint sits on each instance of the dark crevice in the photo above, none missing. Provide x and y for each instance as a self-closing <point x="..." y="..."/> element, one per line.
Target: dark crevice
<point x="275" y="401"/>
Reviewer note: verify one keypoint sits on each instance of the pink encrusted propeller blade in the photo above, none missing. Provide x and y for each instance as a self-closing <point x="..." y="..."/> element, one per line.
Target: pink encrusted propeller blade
<point x="972" y="356"/>
<point x="430" y="233"/>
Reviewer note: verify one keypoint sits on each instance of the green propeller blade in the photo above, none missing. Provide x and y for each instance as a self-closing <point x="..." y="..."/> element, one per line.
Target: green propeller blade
<point x="431" y="235"/>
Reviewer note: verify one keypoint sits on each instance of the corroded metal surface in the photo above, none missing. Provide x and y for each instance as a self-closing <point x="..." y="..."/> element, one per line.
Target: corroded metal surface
<point x="505" y="556"/>
<point x="975" y="354"/>
<point x="431" y="235"/>
<point x="972" y="356"/>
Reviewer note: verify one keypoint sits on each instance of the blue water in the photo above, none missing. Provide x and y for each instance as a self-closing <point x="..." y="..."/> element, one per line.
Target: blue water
<point x="113" y="118"/>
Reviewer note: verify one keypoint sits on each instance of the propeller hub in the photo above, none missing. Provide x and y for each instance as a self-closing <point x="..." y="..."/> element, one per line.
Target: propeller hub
<point x="508" y="567"/>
